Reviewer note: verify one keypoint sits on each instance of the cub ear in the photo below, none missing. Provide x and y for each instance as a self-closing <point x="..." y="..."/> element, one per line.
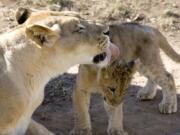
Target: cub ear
<point x="42" y="35"/>
<point x="22" y="14"/>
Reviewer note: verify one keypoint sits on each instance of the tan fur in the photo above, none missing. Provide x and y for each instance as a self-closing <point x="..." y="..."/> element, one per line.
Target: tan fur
<point x="112" y="83"/>
<point x="45" y="45"/>
<point x="135" y="42"/>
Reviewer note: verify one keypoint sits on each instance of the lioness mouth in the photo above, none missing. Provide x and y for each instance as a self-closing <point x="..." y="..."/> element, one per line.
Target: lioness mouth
<point x="111" y="52"/>
<point x="100" y="57"/>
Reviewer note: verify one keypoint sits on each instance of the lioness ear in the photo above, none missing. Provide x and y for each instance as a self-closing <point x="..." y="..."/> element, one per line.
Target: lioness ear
<point x="42" y="35"/>
<point x="22" y="14"/>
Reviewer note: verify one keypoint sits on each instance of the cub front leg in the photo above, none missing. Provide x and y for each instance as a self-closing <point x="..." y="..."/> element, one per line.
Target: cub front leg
<point x="35" y="128"/>
<point x="82" y="123"/>
<point x="115" y="121"/>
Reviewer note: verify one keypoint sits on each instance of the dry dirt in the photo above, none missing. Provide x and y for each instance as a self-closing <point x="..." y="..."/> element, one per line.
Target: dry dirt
<point x="140" y="118"/>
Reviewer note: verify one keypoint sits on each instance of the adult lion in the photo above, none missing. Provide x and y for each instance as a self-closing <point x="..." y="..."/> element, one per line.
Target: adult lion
<point x="135" y="42"/>
<point x="47" y="44"/>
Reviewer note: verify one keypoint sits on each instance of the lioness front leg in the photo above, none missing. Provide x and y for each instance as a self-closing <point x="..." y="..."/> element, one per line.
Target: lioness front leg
<point x="35" y="128"/>
<point x="115" y="123"/>
<point x="81" y="101"/>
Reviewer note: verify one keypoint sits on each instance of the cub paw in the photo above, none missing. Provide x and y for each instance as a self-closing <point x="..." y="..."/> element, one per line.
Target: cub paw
<point x="146" y="95"/>
<point x="168" y="106"/>
<point x="117" y="132"/>
<point x="86" y="131"/>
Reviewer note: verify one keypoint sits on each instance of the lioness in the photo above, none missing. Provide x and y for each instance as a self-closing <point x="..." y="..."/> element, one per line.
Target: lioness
<point x="47" y="44"/>
<point x="135" y="42"/>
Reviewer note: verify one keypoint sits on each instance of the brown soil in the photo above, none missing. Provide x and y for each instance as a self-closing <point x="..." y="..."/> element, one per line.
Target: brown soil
<point x="140" y="118"/>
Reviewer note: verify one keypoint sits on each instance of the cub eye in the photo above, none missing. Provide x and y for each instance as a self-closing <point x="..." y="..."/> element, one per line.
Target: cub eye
<point x="112" y="89"/>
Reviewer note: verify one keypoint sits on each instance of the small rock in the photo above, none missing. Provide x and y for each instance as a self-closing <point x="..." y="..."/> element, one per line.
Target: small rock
<point x="153" y="20"/>
<point x="139" y="17"/>
<point x="175" y="5"/>
<point x="128" y="20"/>
<point x="55" y="7"/>
<point x="170" y="13"/>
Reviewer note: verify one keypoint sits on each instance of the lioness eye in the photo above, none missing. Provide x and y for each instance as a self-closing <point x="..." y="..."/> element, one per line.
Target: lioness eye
<point x="80" y="28"/>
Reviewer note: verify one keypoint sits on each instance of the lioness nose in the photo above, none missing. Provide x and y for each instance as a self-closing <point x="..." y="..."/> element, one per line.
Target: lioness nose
<point x="106" y="30"/>
<point x="106" y="33"/>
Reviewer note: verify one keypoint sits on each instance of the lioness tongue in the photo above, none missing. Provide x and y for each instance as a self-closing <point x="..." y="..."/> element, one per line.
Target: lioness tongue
<point x="115" y="52"/>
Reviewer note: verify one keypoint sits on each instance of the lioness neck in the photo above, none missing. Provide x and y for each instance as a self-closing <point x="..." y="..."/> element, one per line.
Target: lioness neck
<point x="28" y="63"/>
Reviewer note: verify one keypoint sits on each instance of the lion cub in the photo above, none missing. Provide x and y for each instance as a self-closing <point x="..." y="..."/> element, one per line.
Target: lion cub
<point x="112" y="82"/>
<point x="135" y="42"/>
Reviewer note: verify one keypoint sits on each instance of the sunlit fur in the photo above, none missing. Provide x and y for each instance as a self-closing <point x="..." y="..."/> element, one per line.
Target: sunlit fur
<point x="45" y="45"/>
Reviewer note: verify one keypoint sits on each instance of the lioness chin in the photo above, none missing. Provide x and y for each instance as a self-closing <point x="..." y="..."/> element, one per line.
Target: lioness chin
<point x="135" y="42"/>
<point x="45" y="45"/>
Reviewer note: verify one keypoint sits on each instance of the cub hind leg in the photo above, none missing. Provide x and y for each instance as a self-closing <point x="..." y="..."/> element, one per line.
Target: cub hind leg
<point x="158" y="75"/>
<point x="169" y="102"/>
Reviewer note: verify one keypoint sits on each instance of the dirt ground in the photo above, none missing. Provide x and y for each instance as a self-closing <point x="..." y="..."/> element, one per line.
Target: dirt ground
<point x="140" y="118"/>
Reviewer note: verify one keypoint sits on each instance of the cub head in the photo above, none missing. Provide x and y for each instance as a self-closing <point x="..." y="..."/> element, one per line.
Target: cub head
<point x="65" y="33"/>
<point x="115" y="79"/>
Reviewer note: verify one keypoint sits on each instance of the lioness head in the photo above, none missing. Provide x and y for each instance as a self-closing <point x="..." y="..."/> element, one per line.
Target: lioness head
<point x="82" y="41"/>
<point x="115" y="79"/>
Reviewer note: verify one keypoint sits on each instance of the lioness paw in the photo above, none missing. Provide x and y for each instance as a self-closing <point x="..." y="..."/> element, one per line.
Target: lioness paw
<point x="117" y="132"/>
<point x="81" y="132"/>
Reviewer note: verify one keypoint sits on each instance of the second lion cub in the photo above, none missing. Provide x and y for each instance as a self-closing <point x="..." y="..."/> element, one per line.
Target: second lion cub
<point x="135" y="42"/>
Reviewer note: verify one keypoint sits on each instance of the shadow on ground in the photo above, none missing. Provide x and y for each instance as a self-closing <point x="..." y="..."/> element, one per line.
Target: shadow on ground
<point x="140" y="118"/>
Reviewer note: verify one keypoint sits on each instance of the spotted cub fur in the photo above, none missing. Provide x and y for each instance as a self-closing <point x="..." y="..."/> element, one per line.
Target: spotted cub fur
<point x="112" y="83"/>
